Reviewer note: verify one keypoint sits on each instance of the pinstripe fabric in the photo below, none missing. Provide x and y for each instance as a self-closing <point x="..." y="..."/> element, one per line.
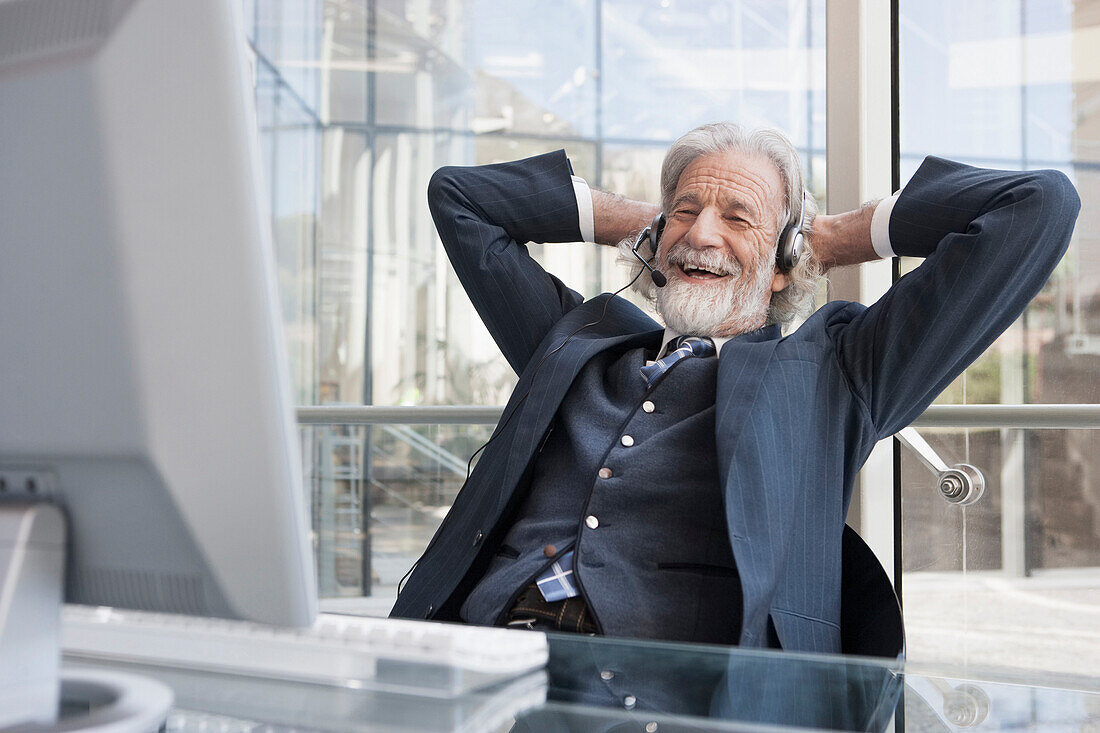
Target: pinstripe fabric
<point x="796" y="417"/>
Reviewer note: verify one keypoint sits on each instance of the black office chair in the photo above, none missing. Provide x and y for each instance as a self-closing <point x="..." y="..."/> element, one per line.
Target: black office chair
<point x="870" y="615"/>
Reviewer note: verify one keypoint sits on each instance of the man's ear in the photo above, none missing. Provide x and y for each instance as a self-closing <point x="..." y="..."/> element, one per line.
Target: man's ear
<point x="780" y="281"/>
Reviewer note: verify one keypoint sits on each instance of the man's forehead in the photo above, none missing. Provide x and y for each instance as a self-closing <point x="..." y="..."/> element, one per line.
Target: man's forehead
<point x="732" y="178"/>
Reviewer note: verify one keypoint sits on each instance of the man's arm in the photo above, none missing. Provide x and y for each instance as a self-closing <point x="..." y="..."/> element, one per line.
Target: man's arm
<point x="616" y="217"/>
<point x="844" y="239"/>
<point x="484" y="215"/>
<point x="990" y="240"/>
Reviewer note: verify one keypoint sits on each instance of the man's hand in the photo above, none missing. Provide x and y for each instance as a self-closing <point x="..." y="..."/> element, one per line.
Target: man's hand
<point x="844" y="239"/>
<point x="615" y="217"/>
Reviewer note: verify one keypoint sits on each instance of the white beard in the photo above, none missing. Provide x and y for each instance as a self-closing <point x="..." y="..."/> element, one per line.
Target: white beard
<point x="724" y="308"/>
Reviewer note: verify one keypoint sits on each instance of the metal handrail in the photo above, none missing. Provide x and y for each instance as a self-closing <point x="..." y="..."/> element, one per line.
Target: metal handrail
<point x="936" y="416"/>
<point x="402" y="415"/>
<point x="1010" y="416"/>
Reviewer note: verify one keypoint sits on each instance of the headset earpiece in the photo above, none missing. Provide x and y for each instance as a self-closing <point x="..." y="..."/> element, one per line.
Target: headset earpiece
<point x="791" y="242"/>
<point x="651" y="235"/>
<point x="656" y="229"/>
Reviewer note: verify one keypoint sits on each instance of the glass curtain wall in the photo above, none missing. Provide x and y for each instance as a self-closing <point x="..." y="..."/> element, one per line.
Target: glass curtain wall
<point x="361" y="100"/>
<point x="1013" y="580"/>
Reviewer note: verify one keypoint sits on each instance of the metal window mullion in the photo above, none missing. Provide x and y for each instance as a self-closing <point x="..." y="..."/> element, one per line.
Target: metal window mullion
<point x="858" y="166"/>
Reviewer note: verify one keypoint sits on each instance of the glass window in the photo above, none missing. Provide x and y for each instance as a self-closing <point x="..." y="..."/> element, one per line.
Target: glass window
<point x="345" y="69"/>
<point x="471" y="67"/>
<point x="288" y="34"/>
<point x="289" y="147"/>
<point x="361" y="100"/>
<point x="1006" y="85"/>
<point x="444" y="353"/>
<point x="754" y="62"/>
<point x="342" y="274"/>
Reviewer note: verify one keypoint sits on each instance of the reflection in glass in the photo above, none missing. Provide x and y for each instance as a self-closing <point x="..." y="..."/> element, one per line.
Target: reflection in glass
<point x="708" y="683"/>
<point x="939" y="703"/>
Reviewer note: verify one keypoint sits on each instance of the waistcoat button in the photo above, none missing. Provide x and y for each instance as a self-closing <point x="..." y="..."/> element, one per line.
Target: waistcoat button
<point x="648" y="406"/>
<point x="627" y="441"/>
<point x="605" y="472"/>
<point x="549" y="551"/>
<point x="591" y="522"/>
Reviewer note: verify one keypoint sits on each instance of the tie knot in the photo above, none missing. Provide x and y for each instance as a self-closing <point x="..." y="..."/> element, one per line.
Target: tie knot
<point x="699" y="345"/>
<point x="682" y="348"/>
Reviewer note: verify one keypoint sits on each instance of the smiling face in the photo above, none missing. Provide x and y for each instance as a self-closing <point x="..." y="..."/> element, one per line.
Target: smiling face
<point x="718" y="247"/>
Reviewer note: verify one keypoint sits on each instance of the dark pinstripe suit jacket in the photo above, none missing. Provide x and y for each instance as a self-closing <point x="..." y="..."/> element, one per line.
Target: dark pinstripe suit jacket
<point x="796" y="417"/>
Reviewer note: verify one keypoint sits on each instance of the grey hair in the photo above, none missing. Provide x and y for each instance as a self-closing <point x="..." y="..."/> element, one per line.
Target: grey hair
<point x="720" y="137"/>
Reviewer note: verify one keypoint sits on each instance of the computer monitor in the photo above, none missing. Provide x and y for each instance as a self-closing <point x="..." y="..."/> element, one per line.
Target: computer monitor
<point x="144" y="383"/>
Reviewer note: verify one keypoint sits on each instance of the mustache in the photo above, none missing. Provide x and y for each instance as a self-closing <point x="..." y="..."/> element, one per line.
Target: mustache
<point x="685" y="255"/>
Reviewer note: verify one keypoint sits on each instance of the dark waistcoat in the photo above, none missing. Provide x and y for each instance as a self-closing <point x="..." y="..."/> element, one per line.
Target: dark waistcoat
<point x="657" y="563"/>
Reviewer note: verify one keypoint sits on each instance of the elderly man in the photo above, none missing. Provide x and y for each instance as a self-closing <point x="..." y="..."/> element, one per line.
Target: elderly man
<point x="645" y="484"/>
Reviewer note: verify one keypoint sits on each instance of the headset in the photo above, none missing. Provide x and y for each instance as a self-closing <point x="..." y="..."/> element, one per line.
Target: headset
<point x="652" y="235"/>
<point x="788" y="251"/>
<point x="791" y="242"/>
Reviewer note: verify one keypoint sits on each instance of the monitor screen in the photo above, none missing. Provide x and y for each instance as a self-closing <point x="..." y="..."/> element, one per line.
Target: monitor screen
<point x="144" y="384"/>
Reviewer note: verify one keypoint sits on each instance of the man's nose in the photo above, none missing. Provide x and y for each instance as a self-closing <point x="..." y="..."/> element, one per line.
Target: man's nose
<point x="705" y="230"/>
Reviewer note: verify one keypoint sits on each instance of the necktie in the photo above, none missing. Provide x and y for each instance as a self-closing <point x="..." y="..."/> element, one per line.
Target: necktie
<point x="685" y="346"/>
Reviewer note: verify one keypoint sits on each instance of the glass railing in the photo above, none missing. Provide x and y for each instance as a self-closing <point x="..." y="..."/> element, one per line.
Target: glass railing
<point x="378" y="492"/>
<point x="1013" y="579"/>
<point x="1005" y="581"/>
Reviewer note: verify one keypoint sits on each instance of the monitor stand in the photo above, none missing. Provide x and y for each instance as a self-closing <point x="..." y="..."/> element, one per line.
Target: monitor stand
<point x="34" y="694"/>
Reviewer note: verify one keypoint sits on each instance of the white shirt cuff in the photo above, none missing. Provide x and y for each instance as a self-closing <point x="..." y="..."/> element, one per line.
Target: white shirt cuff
<point x="880" y="226"/>
<point x="584" y="209"/>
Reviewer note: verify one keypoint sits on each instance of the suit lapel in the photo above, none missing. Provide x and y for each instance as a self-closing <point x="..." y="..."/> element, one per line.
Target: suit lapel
<point x="741" y="368"/>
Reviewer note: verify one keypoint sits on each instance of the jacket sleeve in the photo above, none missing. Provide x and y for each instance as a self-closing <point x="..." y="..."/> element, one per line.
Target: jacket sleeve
<point x="484" y="216"/>
<point x="990" y="240"/>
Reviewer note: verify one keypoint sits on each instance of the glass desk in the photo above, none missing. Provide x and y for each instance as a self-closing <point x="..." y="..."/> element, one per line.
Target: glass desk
<point x="600" y="684"/>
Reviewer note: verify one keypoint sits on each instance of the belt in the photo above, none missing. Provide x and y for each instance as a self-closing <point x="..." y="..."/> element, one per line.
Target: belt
<point x="532" y="611"/>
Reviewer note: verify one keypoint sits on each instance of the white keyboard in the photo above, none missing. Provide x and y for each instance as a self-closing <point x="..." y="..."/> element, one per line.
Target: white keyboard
<point x="352" y="651"/>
